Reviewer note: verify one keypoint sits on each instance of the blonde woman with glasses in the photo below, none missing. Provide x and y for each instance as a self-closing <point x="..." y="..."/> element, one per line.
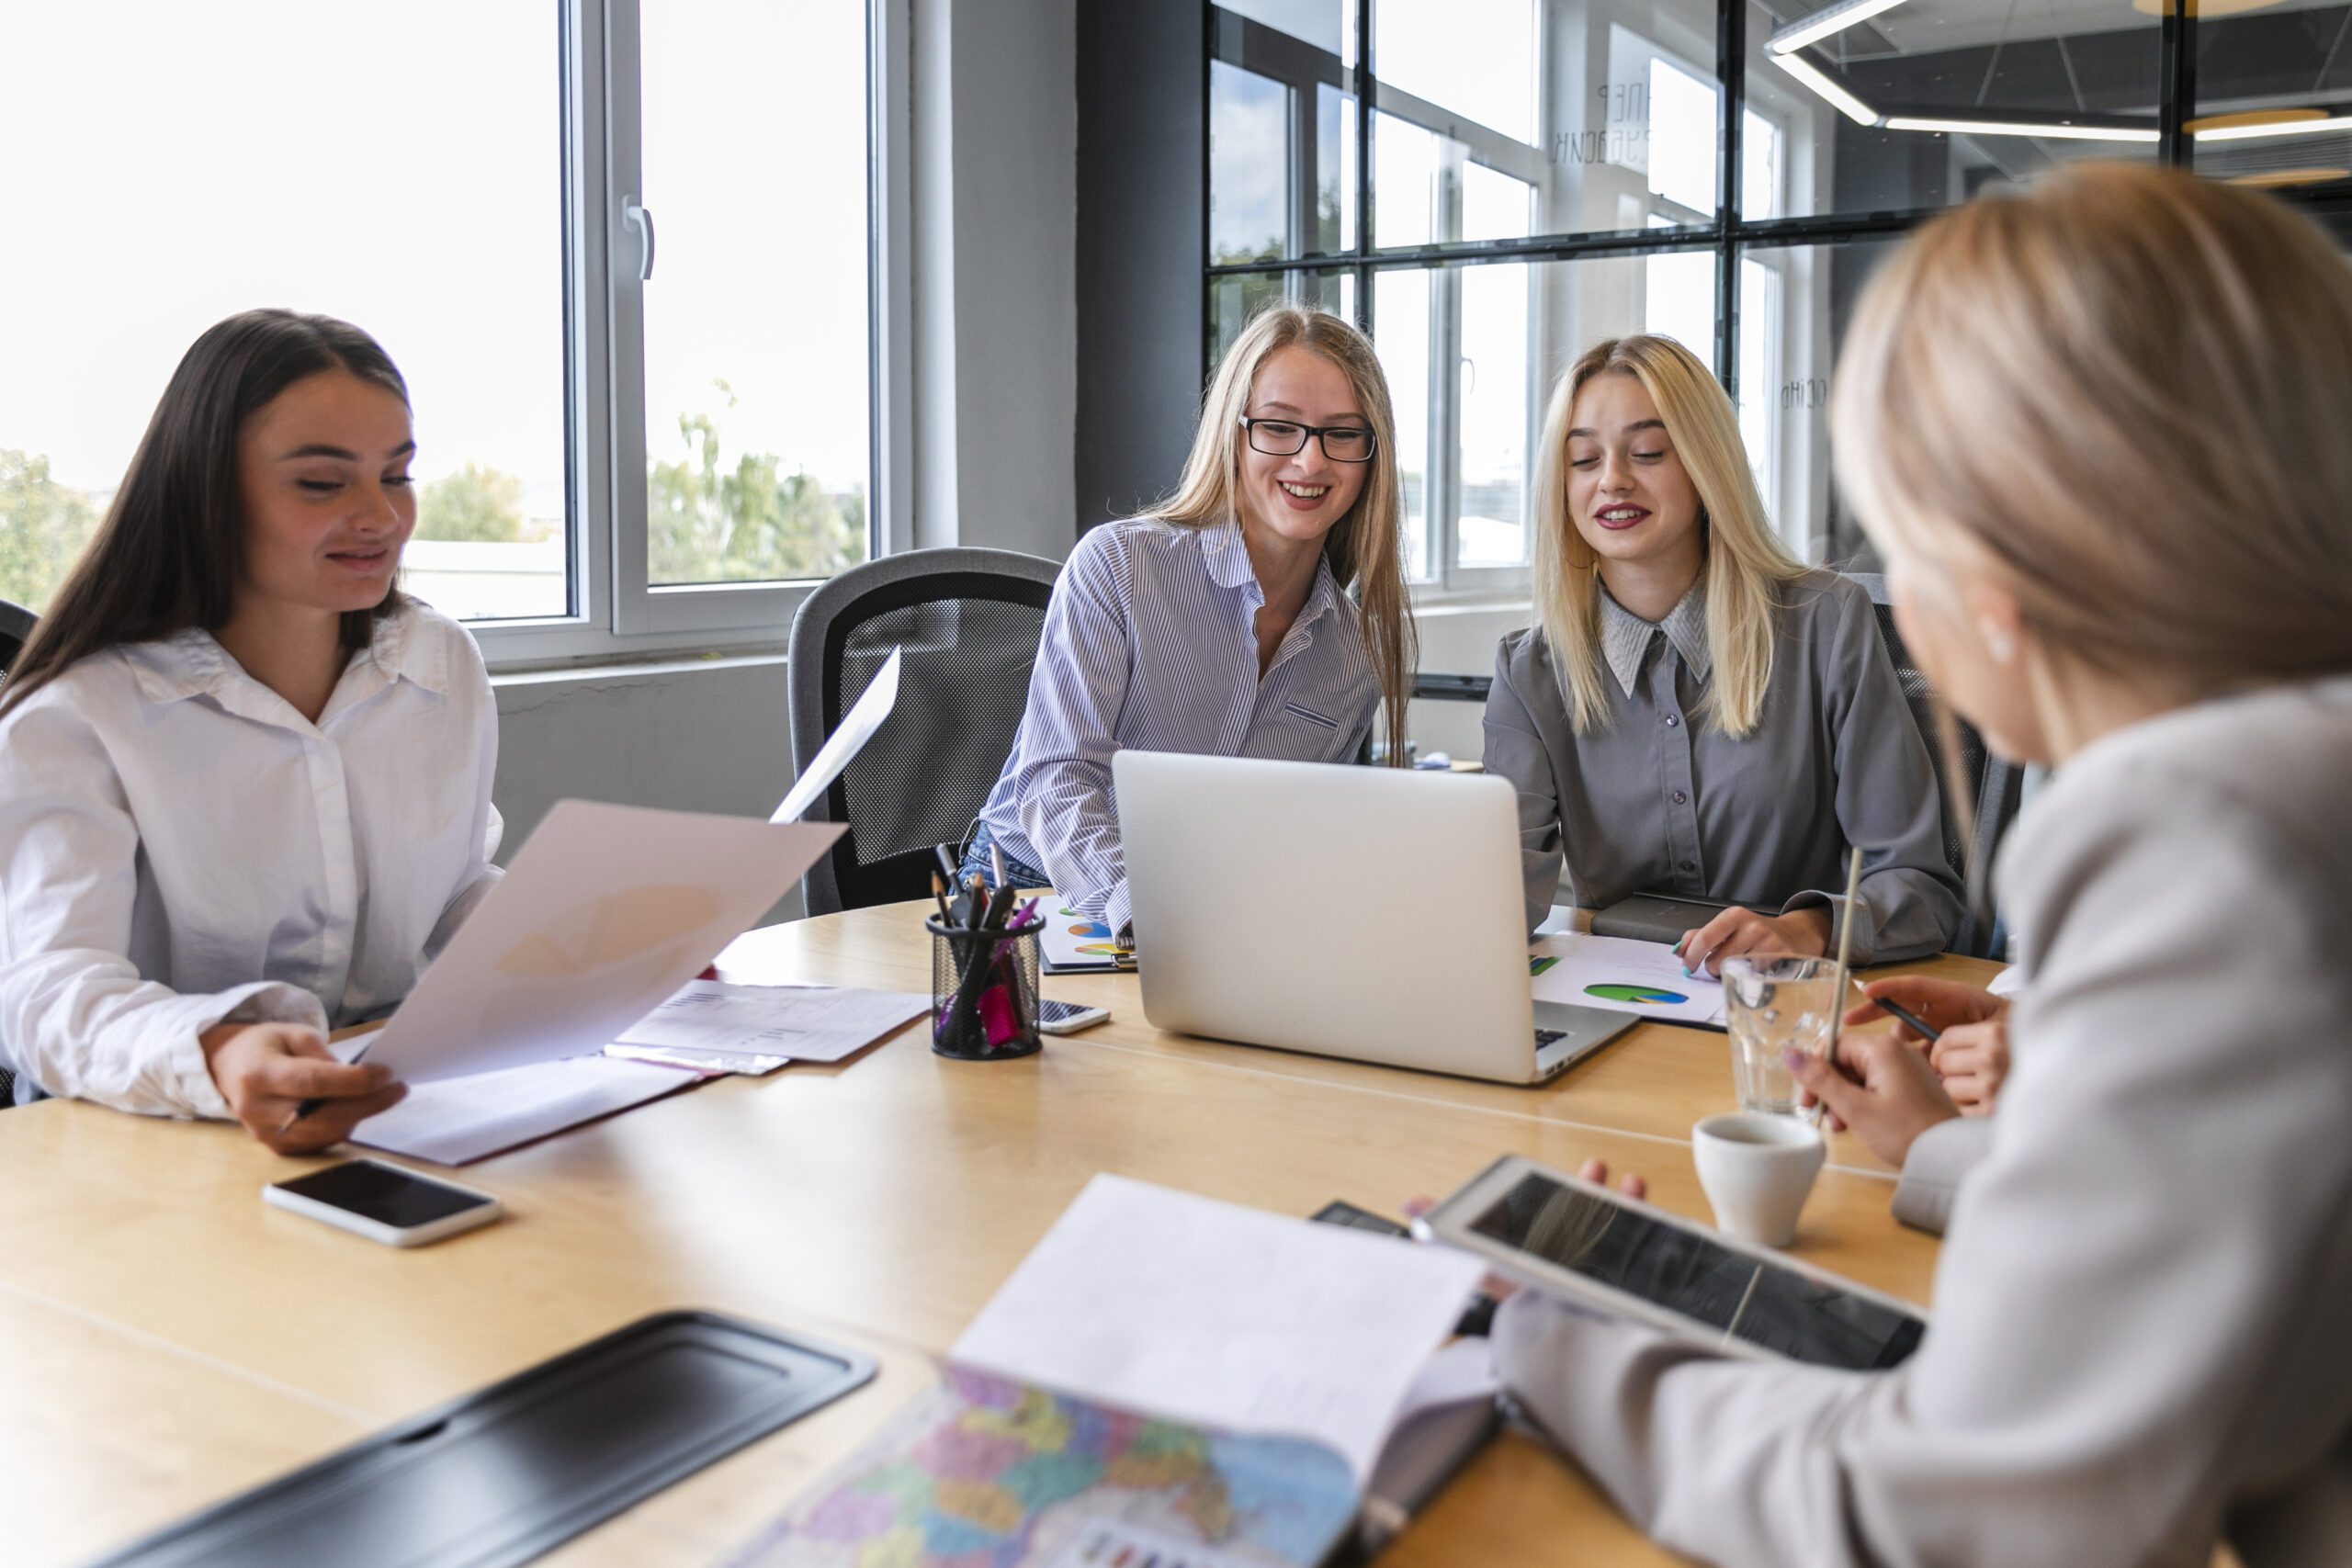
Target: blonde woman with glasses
<point x="1258" y="612"/>
<point x="2098" y="429"/>
<point x="1695" y="714"/>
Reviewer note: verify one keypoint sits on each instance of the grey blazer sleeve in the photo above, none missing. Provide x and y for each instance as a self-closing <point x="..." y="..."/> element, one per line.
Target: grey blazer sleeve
<point x="1940" y="1157"/>
<point x="2138" y="1313"/>
<point x="1888" y="806"/>
<point x="1515" y="752"/>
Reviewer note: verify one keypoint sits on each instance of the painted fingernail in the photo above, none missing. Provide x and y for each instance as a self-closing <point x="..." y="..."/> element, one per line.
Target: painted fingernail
<point x="1792" y="1060"/>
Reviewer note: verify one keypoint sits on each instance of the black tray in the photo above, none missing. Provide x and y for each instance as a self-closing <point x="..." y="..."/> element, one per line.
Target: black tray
<point x="509" y="1471"/>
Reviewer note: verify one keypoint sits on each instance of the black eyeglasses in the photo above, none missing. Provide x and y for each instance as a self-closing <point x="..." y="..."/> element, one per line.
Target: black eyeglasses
<point x="1286" y="438"/>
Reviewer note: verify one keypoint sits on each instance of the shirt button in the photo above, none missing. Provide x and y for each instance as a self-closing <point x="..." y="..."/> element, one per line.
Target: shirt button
<point x="1689" y="865"/>
<point x="1680" y="798"/>
<point x="1671" y="721"/>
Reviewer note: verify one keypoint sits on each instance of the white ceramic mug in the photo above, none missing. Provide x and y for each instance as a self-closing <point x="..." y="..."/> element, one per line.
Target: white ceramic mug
<point x="1757" y="1170"/>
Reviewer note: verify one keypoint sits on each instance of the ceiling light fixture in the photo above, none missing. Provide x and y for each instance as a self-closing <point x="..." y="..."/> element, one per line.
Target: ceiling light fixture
<point x="2300" y="127"/>
<point x="1852" y="108"/>
<point x="1821" y="24"/>
<point x="2057" y="129"/>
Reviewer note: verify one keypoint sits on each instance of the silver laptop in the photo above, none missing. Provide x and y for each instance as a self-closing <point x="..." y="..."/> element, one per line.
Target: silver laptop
<point x="1371" y="913"/>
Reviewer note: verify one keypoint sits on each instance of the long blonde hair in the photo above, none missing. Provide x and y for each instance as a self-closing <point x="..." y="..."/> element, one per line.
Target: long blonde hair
<point x="2126" y="392"/>
<point x="1746" y="563"/>
<point x="1366" y="546"/>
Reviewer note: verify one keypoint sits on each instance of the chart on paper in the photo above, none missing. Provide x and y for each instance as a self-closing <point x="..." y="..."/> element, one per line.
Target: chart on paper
<point x="1623" y="975"/>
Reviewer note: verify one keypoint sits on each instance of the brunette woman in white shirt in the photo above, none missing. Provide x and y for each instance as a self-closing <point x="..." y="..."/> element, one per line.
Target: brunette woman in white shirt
<point x="244" y="782"/>
<point x="2098" y="429"/>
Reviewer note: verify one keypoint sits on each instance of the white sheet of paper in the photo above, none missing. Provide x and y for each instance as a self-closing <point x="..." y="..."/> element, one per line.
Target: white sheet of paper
<point x="856" y="727"/>
<point x="455" y="1120"/>
<point x="804" y="1024"/>
<point x="1203" y="1312"/>
<point x="711" y="1064"/>
<point x="1071" y="943"/>
<point x="1624" y="975"/>
<point x="605" y="911"/>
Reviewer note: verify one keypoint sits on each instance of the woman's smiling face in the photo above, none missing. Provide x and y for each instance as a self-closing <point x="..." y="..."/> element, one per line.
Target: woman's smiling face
<point x="323" y="470"/>
<point x="1302" y="496"/>
<point x="1629" y="495"/>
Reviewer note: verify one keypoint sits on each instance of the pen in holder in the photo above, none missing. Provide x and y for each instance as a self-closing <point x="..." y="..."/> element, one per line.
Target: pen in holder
<point x="983" y="991"/>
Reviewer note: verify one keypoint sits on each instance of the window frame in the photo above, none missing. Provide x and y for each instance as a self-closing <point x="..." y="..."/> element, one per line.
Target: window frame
<point x="614" y="615"/>
<point x="1730" y="236"/>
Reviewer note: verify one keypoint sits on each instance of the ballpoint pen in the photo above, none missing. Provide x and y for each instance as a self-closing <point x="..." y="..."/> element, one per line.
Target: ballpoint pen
<point x="1903" y="1014"/>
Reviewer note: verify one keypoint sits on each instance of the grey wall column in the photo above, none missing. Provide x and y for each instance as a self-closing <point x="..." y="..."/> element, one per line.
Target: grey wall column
<point x="1142" y="137"/>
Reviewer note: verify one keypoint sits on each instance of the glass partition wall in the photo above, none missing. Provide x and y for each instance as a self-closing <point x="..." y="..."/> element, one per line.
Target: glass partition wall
<point x="1546" y="173"/>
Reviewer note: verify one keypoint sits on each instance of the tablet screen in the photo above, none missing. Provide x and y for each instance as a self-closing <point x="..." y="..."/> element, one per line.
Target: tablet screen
<point x="1687" y="1272"/>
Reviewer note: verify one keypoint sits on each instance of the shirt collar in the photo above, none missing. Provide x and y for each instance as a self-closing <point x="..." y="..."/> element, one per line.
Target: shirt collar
<point x="1625" y="636"/>
<point x="193" y="663"/>
<point x="1227" y="556"/>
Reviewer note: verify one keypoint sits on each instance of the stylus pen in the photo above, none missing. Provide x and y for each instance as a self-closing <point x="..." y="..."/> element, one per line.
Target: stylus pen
<point x="1903" y="1014"/>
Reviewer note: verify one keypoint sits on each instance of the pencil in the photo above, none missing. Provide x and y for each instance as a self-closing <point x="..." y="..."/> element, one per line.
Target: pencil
<point x="939" y="895"/>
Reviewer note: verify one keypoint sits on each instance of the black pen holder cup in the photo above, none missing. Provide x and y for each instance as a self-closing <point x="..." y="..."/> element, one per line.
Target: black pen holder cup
<point x="983" y="992"/>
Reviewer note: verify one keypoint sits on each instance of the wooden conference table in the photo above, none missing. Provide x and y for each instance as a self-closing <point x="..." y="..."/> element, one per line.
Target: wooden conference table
<point x="166" y="1340"/>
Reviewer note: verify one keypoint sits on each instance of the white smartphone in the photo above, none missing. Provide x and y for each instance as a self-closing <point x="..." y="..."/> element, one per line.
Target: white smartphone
<point x="1571" y="1238"/>
<point x="384" y="1202"/>
<point x="1067" y="1018"/>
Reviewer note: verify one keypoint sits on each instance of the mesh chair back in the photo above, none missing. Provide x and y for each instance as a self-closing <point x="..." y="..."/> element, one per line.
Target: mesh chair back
<point x="969" y="621"/>
<point x="1992" y="786"/>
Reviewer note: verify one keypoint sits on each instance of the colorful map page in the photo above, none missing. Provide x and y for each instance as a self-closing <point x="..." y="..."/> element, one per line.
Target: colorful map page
<point x="984" y="1472"/>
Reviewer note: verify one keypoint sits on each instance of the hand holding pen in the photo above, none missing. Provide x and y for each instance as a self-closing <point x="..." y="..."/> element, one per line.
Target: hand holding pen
<point x="287" y="1089"/>
<point x="1964" y="1028"/>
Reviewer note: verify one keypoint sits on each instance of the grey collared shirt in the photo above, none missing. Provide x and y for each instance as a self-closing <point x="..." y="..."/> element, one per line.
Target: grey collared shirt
<point x="1658" y="800"/>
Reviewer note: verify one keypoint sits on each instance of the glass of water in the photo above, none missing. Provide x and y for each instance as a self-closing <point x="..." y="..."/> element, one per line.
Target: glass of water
<point x="1774" y="1002"/>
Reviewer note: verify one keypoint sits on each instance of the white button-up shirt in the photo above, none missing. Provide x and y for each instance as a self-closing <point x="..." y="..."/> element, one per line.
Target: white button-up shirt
<point x="180" y="847"/>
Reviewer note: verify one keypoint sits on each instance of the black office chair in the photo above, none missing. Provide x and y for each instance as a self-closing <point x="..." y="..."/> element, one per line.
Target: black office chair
<point x="1997" y="787"/>
<point x="969" y="621"/>
<point x="16" y="627"/>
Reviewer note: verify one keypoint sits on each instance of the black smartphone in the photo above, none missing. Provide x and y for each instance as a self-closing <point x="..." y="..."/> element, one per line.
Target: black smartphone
<point x="384" y="1202"/>
<point x="1336" y="1213"/>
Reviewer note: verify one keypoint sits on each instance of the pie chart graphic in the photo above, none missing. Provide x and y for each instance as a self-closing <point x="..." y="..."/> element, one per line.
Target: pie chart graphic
<point x="1652" y="995"/>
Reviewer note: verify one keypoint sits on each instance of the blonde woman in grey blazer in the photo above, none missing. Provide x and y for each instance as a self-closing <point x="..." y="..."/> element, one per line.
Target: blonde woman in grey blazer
<point x="2098" y="429"/>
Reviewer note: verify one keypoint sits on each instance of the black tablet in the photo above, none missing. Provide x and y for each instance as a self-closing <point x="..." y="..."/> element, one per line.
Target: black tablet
<point x="1572" y="1238"/>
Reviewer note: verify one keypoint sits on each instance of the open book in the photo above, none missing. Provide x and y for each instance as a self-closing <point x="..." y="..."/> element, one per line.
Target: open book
<point x="1177" y="1376"/>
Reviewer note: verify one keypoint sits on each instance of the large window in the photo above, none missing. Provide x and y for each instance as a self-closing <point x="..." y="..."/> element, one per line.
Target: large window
<point x="625" y="261"/>
<point x="1546" y="173"/>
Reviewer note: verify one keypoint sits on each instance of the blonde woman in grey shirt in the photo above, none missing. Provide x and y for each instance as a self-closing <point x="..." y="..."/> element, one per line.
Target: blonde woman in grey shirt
<point x="2099" y="429"/>
<point x="1696" y="714"/>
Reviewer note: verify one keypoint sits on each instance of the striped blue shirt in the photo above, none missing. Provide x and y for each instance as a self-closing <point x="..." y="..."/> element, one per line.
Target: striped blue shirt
<point x="1151" y="641"/>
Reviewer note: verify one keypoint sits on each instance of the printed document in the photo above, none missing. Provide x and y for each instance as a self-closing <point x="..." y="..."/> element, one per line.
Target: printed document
<point x="792" y="1023"/>
<point x="457" y="1121"/>
<point x="1218" y="1315"/>
<point x="605" y="911"/>
<point x="849" y="736"/>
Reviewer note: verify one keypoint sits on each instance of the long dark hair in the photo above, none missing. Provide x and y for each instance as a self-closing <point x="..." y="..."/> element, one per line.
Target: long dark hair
<point x="171" y="549"/>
